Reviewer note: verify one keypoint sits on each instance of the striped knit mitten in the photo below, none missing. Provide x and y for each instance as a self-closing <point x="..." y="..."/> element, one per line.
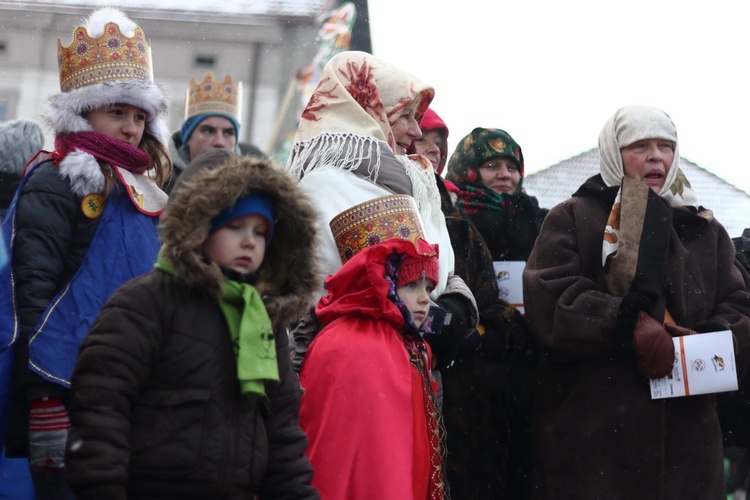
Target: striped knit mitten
<point x="48" y="432"/>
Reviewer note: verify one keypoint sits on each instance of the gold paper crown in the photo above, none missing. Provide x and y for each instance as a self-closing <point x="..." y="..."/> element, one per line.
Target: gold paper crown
<point x="374" y="221"/>
<point x="213" y="97"/>
<point x="112" y="56"/>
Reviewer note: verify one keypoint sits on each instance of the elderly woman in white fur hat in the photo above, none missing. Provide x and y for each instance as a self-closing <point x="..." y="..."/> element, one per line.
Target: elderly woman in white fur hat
<point x="629" y="262"/>
<point x="83" y="221"/>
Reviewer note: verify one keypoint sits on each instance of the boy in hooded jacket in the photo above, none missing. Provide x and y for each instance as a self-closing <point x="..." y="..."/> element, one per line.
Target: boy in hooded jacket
<point x="184" y="387"/>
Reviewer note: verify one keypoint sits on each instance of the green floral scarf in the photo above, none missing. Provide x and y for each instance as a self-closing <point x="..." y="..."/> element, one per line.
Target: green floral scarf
<point x="252" y="333"/>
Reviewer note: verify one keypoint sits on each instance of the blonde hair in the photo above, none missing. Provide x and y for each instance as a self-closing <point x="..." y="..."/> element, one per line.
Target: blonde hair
<point x="412" y="106"/>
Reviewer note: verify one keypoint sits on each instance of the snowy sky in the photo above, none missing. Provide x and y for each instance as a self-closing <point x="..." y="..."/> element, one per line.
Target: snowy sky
<point x="550" y="73"/>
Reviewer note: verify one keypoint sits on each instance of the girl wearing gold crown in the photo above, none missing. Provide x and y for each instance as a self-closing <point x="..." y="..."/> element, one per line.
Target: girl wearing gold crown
<point x="82" y="223"/>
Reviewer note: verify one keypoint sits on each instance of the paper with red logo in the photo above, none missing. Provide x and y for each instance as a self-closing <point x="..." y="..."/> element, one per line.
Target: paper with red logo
<point x="509" y="281"/>
<point x="704" y="364"/>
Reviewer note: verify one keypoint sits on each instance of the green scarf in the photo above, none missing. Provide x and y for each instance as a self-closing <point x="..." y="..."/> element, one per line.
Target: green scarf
<point x="253" y="338"/>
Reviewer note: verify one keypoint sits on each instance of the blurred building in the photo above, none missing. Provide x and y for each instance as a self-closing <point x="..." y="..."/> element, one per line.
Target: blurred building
<point x="263" y="43"/>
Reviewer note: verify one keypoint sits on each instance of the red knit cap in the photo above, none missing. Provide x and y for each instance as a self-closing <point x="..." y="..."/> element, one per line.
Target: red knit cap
<point x="417" y="268"/>
<point x="431" y="121"/>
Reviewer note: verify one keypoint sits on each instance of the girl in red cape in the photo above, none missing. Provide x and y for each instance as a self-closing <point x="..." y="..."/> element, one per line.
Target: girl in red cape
<point x="369" y="406"/>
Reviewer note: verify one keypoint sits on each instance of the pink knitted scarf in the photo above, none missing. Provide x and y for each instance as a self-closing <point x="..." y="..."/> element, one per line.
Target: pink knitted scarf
<point x="104" y="148"/>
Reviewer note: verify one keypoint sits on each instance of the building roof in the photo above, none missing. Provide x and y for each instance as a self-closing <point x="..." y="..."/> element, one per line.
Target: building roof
<point x="241" y="8"/>
<point x="555" y="184"/>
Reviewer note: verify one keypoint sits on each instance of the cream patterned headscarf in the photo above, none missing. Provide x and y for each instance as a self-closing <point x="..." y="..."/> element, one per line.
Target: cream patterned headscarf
<point x="622" y="234"/>
<point x="348" y="119"/>
<point x="634" y="123"/>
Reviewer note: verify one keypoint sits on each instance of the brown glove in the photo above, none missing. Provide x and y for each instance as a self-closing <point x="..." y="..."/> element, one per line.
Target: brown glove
<point x="654" y="350"/>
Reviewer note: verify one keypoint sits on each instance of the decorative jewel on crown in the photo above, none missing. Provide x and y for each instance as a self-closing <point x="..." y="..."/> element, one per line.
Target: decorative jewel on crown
<point x="211" y="96"/>
<point x="374" y="221"/>
<point x="112" y="56"/>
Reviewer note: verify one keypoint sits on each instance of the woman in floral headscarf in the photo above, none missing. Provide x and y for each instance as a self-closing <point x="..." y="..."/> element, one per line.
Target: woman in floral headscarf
<point x="630" y="261"/>
<point x="486" y="398"/>
<point x="487" y="167"/>
<point x="351" y="146"/>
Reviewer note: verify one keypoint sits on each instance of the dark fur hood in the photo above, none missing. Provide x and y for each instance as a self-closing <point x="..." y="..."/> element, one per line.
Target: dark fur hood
<point x="214" y="181"/>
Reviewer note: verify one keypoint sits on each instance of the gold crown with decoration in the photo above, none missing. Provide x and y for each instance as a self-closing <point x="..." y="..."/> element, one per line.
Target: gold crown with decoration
<point x="212" y="97"/>
<point x="112" y="56"/>
<point x="369" y="223"/>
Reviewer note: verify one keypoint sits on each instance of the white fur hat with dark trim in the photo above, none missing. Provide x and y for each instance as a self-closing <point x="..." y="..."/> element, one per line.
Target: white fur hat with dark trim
<point x="99" y="84"/>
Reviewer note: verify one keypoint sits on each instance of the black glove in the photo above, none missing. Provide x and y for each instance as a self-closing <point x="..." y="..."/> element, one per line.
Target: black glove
<point x="456" y="328"/>
<point x="492" y="341"/>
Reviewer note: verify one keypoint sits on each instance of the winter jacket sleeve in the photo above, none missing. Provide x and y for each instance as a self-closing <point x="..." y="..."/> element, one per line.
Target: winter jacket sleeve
<point x="459" y="303"/>
<point x="303" y="334"/>
<point x="46" y="253"/>
<point x="114" y="363"/>
<point x="289" y="473"/>
<point x="572" y="316"/>
<point x="456" y="286"/>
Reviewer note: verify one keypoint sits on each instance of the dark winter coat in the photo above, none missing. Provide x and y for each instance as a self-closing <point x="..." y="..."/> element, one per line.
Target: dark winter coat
<point x="486" y="397"/>
<point x="52" y="239"/>
<point x="510" y="233"/>
<point x="598" y="433"/>
<point x="157" y="410"/>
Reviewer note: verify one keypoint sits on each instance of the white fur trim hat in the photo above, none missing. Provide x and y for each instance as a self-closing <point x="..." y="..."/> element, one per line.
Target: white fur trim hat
<point x="106" y="67"/>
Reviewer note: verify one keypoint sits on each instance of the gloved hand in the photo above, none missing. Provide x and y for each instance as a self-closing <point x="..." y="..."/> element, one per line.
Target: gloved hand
<point x="654" y="350"/>
<point x="48" y="432"/>
<point x="493" y="337"/>
<point x="677" y="330"/>
<point x="456" y="328"/>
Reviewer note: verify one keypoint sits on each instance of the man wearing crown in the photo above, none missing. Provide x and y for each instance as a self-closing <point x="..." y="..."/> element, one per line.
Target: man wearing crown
<point x="212" y="120"/>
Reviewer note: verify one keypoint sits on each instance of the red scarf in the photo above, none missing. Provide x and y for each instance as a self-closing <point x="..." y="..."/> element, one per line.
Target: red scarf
<point x="104" y="148"/>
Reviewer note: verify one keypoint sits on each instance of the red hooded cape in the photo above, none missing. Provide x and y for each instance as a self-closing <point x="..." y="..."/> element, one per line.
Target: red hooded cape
<point x="363" y="406"/>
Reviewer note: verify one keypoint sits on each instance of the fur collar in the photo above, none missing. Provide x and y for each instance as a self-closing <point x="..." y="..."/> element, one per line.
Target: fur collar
<point x="289" y="275"/>
<point x="83" y="172"/>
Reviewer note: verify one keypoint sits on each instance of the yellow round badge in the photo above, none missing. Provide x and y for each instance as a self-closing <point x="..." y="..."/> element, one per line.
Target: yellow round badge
<point x="92" y="205"/>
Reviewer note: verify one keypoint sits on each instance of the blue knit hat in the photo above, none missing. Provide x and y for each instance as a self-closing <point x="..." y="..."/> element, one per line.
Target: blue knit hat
<point x="189" y="125"/>
<point x="252" y="204"/>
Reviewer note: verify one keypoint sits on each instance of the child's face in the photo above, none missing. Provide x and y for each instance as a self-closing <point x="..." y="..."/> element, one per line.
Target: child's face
<point x="119" y="121"/>
<point x="416" y="297"/>
<point x="239" y="245"/>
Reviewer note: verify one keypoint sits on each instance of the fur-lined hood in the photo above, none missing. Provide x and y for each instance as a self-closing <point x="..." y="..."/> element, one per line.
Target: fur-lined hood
<point x="215" y="180"/>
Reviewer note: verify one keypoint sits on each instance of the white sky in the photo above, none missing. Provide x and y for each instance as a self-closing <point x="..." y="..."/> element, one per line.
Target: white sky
<point x="550" y="72"/>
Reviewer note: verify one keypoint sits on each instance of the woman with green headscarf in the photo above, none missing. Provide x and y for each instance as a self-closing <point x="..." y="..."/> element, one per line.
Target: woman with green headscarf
<point x="487" y="167"/>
